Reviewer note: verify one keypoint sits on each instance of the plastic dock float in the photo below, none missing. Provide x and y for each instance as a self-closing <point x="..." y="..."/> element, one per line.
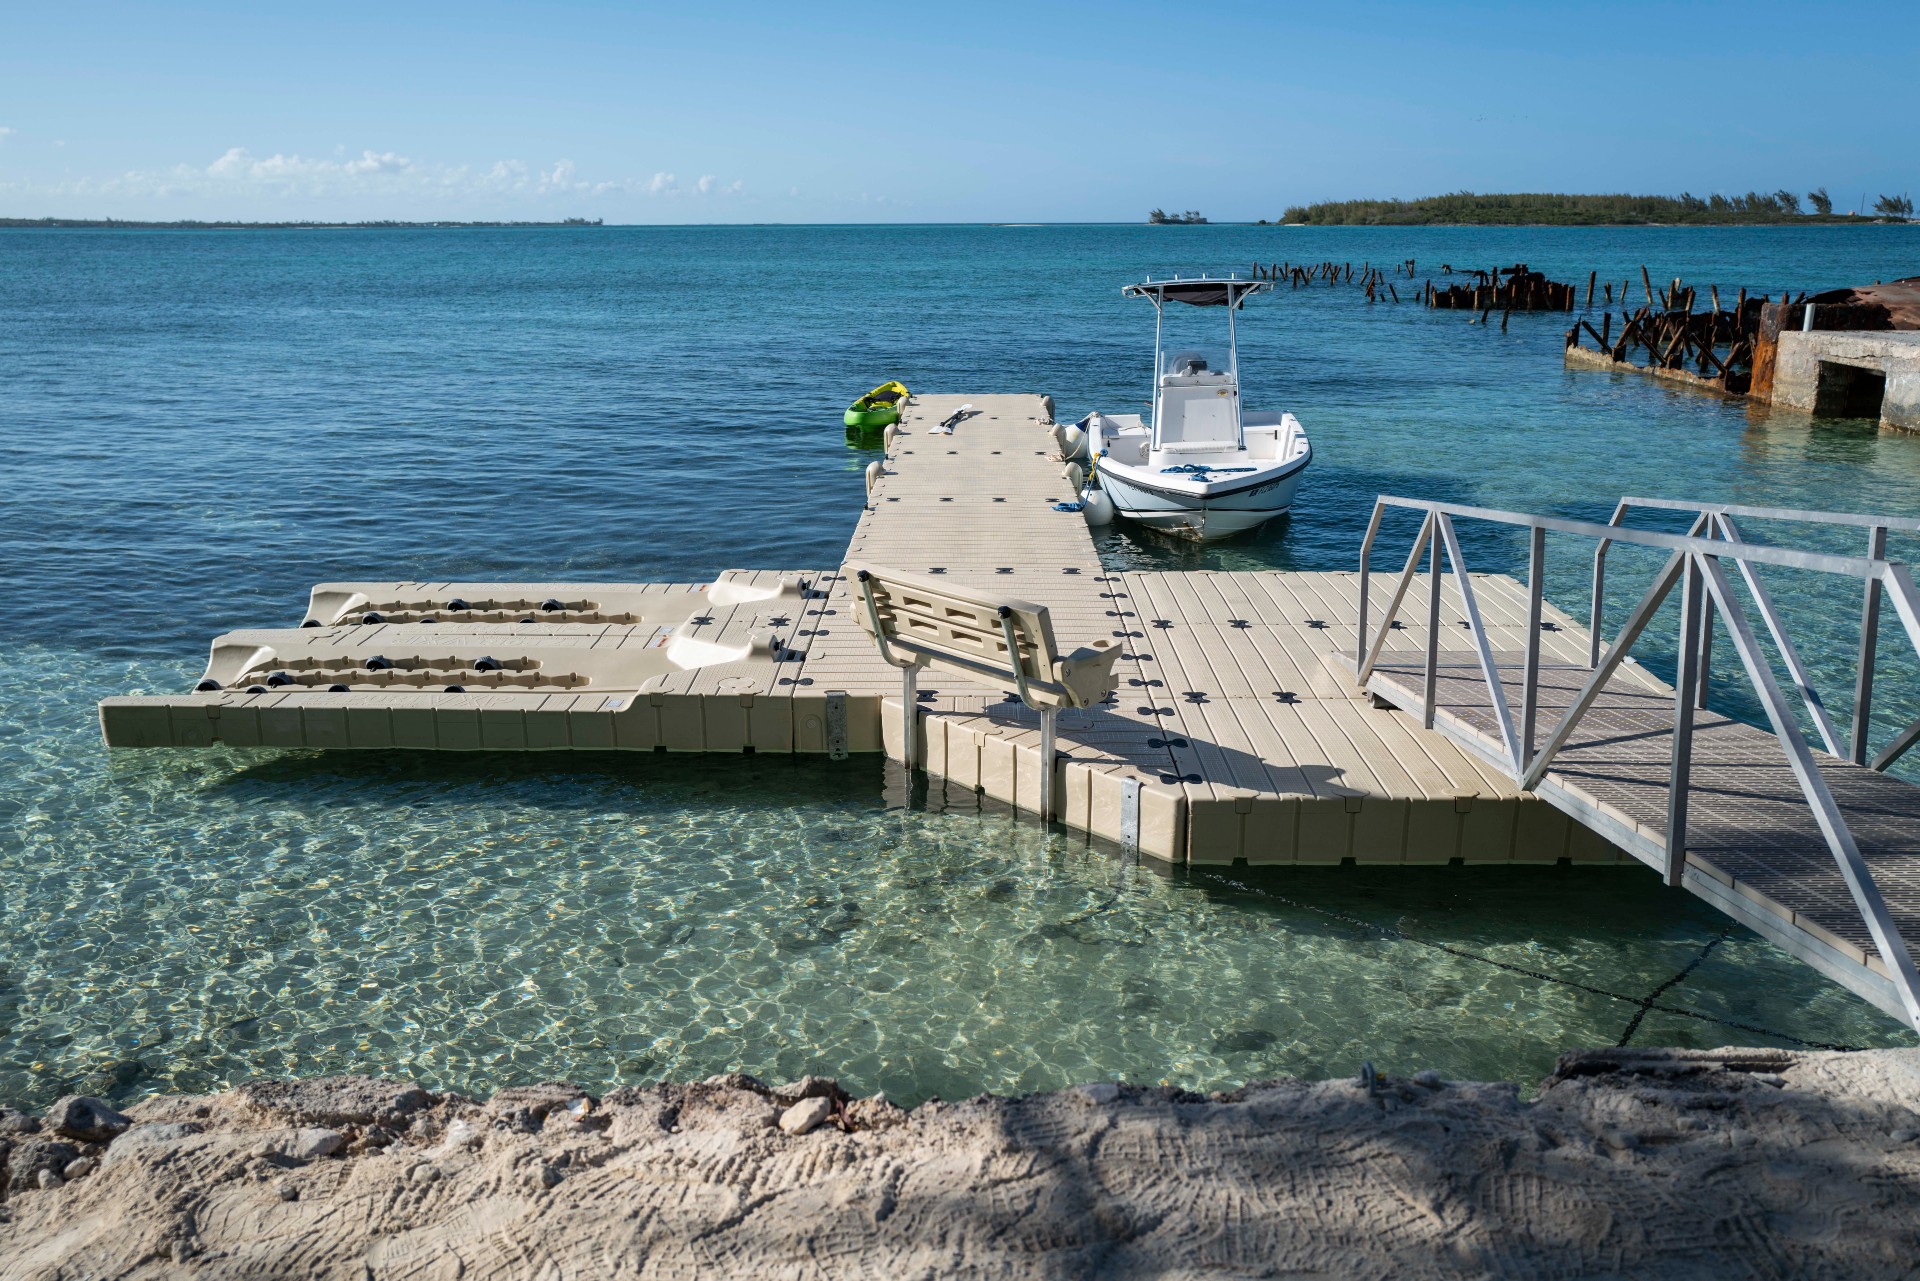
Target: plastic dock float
<point x="691" y="667"/>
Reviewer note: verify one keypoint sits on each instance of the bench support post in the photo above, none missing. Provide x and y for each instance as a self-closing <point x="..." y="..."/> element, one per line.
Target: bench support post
<point x="1047" y="717"/>
<point x="909" y="696"/>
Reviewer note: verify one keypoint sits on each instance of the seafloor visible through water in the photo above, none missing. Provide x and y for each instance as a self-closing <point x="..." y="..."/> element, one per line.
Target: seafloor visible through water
<point x="196" y="426"/>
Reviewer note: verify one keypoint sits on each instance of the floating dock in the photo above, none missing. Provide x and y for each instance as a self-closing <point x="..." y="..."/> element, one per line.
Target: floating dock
<point x="1237" y="734"/>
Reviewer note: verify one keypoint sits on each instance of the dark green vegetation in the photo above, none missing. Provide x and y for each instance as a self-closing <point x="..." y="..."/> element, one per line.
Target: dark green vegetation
<point x="1465" y="207"/>
<point x="1161" y="218"/>
<point x="196" y="225"/>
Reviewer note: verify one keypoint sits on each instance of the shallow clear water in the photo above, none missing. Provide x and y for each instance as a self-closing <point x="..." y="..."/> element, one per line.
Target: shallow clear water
<point x="197" y="427"/>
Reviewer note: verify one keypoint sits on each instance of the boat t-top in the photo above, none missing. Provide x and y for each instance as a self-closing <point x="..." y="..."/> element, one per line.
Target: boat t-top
<point x="1204" y="468"/>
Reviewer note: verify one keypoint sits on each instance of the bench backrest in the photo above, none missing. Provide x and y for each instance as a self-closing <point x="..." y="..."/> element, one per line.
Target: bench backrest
<point x="999" y="641"/>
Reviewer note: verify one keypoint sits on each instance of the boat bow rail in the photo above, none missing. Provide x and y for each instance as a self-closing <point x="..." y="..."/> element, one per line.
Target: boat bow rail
<point x="1784" y="837"/>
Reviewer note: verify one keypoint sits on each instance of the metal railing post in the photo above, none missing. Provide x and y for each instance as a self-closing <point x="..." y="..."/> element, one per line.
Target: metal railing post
<point x="1600" y="586"/>
<point x="1869" y="643"/>
<point x="1530" y="678"/>
<point x="1680" y="776"/>
<point x="1433" y="632"/>
<point x="1705" y="671"/>
<point x="1366" y="576"/>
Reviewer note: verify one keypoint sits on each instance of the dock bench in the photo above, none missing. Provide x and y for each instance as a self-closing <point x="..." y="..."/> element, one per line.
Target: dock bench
<point x="998" y="641"/>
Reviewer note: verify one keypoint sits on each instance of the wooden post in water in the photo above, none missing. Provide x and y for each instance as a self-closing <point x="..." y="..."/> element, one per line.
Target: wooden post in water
<point x="1646" y="282"/>
<point x="1591" y="277"/>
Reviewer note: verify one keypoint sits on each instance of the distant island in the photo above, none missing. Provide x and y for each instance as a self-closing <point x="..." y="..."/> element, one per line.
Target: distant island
<point x="1465" y="207"/>
<point x="192" y="224"/>
<point x="1161" y="218"/>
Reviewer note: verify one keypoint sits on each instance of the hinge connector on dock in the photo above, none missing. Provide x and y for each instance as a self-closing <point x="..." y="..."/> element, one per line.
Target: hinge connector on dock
<point x="1130" y="817"/>
<point x="837" y="724"/>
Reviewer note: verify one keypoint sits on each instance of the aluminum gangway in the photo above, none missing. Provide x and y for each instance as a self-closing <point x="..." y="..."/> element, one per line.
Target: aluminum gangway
<point x="1816" y="848"/>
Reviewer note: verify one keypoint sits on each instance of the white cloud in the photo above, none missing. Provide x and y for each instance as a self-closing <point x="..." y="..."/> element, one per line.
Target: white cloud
<point x="240" y="163"/>
<point x="384" y="162"/>
<point x="381" y="183"/>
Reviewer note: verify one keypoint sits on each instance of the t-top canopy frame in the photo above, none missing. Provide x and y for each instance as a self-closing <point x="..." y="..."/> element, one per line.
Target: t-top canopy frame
<point x="1201" y="291"/>
<point x="1230" y="292"/>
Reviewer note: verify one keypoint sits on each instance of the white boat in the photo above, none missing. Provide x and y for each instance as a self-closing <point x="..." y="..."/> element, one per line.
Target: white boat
<point x="1204" y="468"/>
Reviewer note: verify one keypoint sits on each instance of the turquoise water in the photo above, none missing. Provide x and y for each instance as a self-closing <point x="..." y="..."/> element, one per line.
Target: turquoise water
<point x="198" y="426"/>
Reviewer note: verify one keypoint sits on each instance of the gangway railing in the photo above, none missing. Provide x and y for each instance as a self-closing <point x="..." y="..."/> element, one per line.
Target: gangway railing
<point x="1719" y="518"/>
<point x="1697" y="564"/>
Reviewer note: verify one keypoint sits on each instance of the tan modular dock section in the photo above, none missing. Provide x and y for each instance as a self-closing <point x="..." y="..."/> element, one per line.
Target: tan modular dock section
<point x="1236" y="733"/>
<point x="1231" y="737"/>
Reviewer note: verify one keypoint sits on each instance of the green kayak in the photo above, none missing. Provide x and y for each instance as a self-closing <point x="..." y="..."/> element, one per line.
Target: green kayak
<point x="879" y="407"/>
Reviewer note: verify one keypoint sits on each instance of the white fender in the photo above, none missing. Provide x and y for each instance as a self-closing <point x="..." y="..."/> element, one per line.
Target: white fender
<point x="1046" y="405"/>
<point x="1071" y="440"/>
<point x="1096" y="506"/>
<point x="873" y="474"/>
<point x="891" y="434"/>
<point x="1074" y="474"/>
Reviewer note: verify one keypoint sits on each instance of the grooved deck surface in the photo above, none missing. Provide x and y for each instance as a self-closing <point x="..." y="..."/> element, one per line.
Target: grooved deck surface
<point x="1227" y="707"/>
<point x="1749" y="825"/>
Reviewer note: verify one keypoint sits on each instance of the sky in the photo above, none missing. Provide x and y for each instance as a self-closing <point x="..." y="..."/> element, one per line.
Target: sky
<point x="724" y="112"/>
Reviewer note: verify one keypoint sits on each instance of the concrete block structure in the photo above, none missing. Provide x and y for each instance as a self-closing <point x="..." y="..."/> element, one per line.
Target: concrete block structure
<point x="1851" y="374"/>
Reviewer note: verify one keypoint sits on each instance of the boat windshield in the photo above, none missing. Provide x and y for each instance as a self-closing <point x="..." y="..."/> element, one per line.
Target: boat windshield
<point x="1195" y="362"/>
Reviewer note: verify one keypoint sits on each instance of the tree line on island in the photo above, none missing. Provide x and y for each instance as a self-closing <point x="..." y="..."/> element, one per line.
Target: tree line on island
<point x="1570" y="210"/>
<point x="1161" y="218"/>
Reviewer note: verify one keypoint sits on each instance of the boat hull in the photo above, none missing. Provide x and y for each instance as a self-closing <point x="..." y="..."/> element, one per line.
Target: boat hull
<point x="1223" y="511"/>
<point x="868" y="419"/>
